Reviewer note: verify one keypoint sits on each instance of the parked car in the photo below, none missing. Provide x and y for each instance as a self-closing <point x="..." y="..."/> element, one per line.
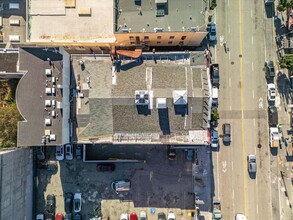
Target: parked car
<point x="226" y="133"/>
<point x="77" y="202"/>
<point x="41" y="153"/>
<point x="273" y="115"/>
<point x="105" y="167"/>
<point x="251" y="163"/>
<point x="77" y="216"/>
<point x="78" y="151"/>
<point x="271" y="92"/>
<point x="51" y="204"/>
<point x="214" y="139"/>
<point x="121" y="186"/>
<point x="133" y="216"/>
<point x="68" y="152"/>
<point x="123" y="216"/>
<point x="68" y="216"/>
<point x="171" y="216"/>
<point x="60" y="152"/>
<point x="189" y="154"/>
<point x="161" y="216"/>
<point x="68" y="202"/>
<point x="40" y="216"/>
<point x="171" y="152"/>
<point x="143" y="215"/>
<point x="270" y="69"/>
<point x="212" y="31"/>
<point x="58" y="216"/>
<point x="50" y="216"/>
<point x="215" y="76"/>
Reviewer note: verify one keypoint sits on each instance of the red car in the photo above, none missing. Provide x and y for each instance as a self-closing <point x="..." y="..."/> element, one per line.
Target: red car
<point x="59" y="216"/>
<point x="133" y="216"/>
<point x="105" y="167"/>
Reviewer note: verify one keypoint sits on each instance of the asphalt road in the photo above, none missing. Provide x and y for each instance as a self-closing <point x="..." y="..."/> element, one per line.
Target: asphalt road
<point x="243" y="103"/>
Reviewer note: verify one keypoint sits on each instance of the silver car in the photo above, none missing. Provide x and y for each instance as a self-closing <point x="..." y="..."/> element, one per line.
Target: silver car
<point x="251" y="163"/>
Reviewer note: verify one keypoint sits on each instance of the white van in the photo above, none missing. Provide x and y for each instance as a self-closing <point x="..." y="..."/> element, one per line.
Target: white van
<point x="215" y="96"/>
<point x="240" y="216"/>
<point x="13" y="5"/>
<point x="14" y="38"/>
<point x="121" y="186"/>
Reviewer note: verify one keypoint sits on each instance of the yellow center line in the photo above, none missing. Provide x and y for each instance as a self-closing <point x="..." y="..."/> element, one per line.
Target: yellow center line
<point x="242" y="103"/>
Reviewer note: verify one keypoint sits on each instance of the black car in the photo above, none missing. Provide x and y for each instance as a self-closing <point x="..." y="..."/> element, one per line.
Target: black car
<point x="68" y="216"/>
<point x="68" y="202"/>
<point x="270" y="69"/>
<point x="171" y="153"/>
<point x="226" y="133"/>
<point x="273" y="115"/>
<point x="161" y="216"/>
<point x="77" y="217"/>
<point x="78" y="151"/>
<point x="215" y="77"/>
<point x="51" y="204"/>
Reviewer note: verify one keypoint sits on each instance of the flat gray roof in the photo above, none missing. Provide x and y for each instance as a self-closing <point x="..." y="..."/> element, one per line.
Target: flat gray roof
<point x="8" y="62"/>
<point x="108" y="104"/>
<point x="31" y="96"/>
<point x="141" y="15"/>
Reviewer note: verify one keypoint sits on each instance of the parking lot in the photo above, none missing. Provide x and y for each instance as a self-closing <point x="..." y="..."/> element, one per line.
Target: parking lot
<point x="156" y="183"/>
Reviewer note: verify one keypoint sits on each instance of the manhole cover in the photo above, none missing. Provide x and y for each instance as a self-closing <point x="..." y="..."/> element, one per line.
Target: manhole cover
<point x="232" y="62"/>
<point x="259" y="145"/>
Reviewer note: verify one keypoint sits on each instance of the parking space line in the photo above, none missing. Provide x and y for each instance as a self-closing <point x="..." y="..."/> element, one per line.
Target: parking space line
<point x="229" y="55"/>
<point x="229" y="28"/>
<point x="252" y="40"/>
<point x="233" y="194"/>
<point x="232" y="165"/>
<point x="229" y="81"/>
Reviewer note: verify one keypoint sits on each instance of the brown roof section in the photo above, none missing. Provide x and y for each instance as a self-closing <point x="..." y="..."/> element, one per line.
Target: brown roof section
<point x="8" y="62"/>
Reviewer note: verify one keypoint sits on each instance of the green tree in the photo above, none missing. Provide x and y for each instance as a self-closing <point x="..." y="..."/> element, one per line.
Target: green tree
<point x="214" y="116"/>
<point x="284" y="5"/>
<point x="213" y="4"/>
<point x="287" y="61"/>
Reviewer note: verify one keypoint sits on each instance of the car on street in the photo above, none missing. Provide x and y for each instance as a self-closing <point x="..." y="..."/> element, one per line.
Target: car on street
<point x="240" y="216"/>
<point x="212" y="31"/>
<point x="40" y="216"/>
<point x="51" y="204"/>
<point x="58" y="216"/>
<point x="214" y="139"/>
<point x="78" y="151"/>
<point x="226" y="133"/>
<point x="291" y="83"/>
<point x="271" y="92"/>
<point x="68" y="202"/>
<point x="77" y="202"/>
<point x="161" y="216"/>
<point x="215" y="76"/>
<point x="77" y="216"/>
<point x="189" y="154"/>
<point x="273" y="115"/>
<point x="171" y="152"/>
<point x="105" y="167"/>
<point x="60" y="152"/>
<point x="68" y="152"/>
<point x="251" y="163"/>
<point x="123" y="216"/>
<point x="171" y="216"/>
<point x="143" y="215"/>
<point x="269" y="69"/>
<point x="41" y="153"/>
<point x="133" y="216"/>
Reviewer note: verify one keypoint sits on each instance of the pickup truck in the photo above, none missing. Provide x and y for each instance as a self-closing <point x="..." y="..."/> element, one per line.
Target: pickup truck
<point x="274" y="137"/>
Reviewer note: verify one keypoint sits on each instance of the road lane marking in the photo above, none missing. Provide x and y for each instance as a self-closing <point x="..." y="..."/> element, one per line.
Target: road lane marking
<point x="230" y="107"/>
<point x="265" y="47"/>
<point x="242" y="102"/>
<point x="228" y="3"/>
<point x="251" y="13"/>
<point x="232" y="165"/>
<point x="260" y="105"/>
<point x="256" y="208"/>
<point x="229" y="81"/>
<point x="229" y="28"/>
<point x="229" y="55"/>
<point x="252" y="67"/>
<point x="224" y="164"/>
<point x="254" y="122"/>
<point x="233" y="194"/>
<point x="218" y="177"/>
<point x="253" y="93"/>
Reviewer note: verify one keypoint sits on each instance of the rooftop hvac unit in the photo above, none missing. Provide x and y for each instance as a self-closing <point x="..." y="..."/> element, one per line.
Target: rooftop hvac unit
<point x="142" y="97"/>
<point x="52" y="137"/>
<point x="54" y="91"/>
<point x="53" y="103"/>
<point x="48" y="103"/>
<point x="47" y="121"/>
<point x="53" y="114"/>
<point x="194" y="29"/>
<point x="160" y="12"/>
<point x="53" y="80"/>
<point x="158" y="29"/>
<point x="48" y="72"/>
<point x="125" y="30"/>
<point x="48" y="91"/>
<point x="59" y="105"/>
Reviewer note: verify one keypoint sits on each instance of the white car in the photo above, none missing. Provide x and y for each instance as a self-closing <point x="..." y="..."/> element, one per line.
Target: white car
<point x="143" y="215"/>
<point x="40" y="217"/>
<point x="77" y="202"/>
<point x="271" y="92"/>
<point x="60" y="152"/>
<point x="68" y="152"/>
<point x="171" y="216"/>
<point x="123" y="216"/>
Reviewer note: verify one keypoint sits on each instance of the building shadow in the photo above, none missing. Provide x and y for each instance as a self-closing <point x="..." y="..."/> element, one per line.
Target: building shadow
<point x="143" y="110"/>
<point x="181" y="110"/>
<point x="164" y="121"/>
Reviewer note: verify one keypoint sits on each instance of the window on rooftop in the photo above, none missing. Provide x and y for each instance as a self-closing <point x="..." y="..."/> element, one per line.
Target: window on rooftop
<point x="131" y="38"/>
<point x="158" y="42"/>
<point x="170" y="42"/>
<point x="146" y="38"/>
<point x="159" y="37"/>
<point x="172" y="37"/>
<point x="183" y="37"/>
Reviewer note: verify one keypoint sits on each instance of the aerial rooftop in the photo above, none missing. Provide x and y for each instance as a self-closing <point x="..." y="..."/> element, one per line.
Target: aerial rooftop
<point x="71" y="21"/>
<point x="42" y="97"/>
<point x="144" y="100"/>
<point x="169" y="15"/>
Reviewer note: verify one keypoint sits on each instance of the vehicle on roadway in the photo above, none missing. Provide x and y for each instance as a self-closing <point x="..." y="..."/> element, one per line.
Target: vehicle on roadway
<point x="240" y="216"/>
<point x="215" y="77"/>
<point x="77" y="202"/>
<point x="58" y="216"/>
<point x="212" y="31"/>
<point x="60" y="152"/>
<point x="78" y="151"/>
<point x="251" y="163"/>
<point x="274" y="137"/>
<point x="41" y="153"/>
<point x="189" y="154"/>
<point x="77" y="216"/>
<point x="133" y="216"/>
<point x="105" y="167"/>
<point x="271" y="92"/>
<point x="68" y="202"/>
<point x="226" y="133"/>
<point x="214" y="139"/>
<point x="270" y="69"/>
<point x="273" y="116"/>
<point x="121" y="185"/>
<point x="40" y="217"/>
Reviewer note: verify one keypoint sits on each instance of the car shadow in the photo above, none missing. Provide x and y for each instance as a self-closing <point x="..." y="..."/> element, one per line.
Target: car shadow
<point x="252" y="175"/>
<point x="274" y="151"/>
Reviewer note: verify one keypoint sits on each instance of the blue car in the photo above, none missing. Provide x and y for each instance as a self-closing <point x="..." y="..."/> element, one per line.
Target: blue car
<point x="212" y="31"/>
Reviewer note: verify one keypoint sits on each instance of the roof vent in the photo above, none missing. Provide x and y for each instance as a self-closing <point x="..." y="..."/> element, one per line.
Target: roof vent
<point x="48" y="122"/>
<point x="195" y="29"/>
<point x="48" y="103"/>
<point x="48" y="91"/>
<point x="48" y="72"/>
<point x="161" y="103"/>
<point x="141" y="97"/>
<point x="158" y="30"/>
<point x="180" y="97"/>
<point x="52" y="137"/>
<point x="59" y="105"/>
